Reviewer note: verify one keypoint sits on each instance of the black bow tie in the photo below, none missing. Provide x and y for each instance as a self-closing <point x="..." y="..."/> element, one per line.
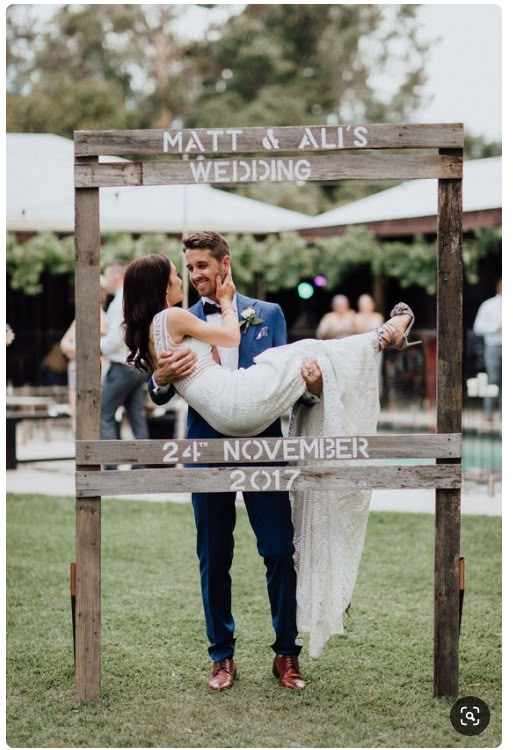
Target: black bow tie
<point x="210" y="309"/>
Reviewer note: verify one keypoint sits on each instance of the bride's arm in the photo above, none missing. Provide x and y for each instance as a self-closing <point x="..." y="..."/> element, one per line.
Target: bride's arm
<point x="182" y="323"/>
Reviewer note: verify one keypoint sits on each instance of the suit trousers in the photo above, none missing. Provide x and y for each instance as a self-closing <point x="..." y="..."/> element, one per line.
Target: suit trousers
<point x="270" y="517"/>
<point x="122" y="386"/>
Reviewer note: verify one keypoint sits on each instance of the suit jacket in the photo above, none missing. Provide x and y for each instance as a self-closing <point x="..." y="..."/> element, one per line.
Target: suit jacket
<point x="271" y="332"/>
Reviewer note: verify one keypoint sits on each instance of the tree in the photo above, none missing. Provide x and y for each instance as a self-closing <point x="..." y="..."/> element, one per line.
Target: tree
<point x="126" y="66"/>
<point x="272" y="264"/>
<point x="269" y="64"/>
<point x="289" y="64"/>
<point x="95" y="66"/>
<point x="311" y="64"/>
<point x="477" y="147"/>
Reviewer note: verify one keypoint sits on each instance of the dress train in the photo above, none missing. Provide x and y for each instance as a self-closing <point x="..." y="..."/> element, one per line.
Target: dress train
<point x="329" y="525"/>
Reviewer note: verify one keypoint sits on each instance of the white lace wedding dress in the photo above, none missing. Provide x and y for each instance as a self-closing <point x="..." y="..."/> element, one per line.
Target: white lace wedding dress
<point x="329" y="525"/>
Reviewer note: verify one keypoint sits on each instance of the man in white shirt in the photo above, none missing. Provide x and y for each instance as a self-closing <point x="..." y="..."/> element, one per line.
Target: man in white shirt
<point x="122" y="384"/>
<point x="488" y="323"/>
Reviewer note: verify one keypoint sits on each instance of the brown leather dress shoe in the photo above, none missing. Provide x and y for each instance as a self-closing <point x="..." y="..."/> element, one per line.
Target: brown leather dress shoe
<point x="286" y="669"/>
<point x="223" y="674"/>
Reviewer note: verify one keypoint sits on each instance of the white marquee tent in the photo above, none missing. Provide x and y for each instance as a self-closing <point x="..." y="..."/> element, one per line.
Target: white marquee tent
<point x="482" y="182"/>
<point x="40" y="198"/>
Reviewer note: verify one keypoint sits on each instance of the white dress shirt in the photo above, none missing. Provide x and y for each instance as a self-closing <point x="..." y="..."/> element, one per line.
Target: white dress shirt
<point x="228" y="357"/>
<point x="488" y="322"/>
<point x="112" y="345"/>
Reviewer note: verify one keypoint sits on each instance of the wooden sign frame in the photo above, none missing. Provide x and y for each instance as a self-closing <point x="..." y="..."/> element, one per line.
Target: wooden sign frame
<point x="270" y="154"/>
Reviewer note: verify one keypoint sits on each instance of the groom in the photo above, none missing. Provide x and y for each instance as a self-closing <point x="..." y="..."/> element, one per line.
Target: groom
<point x="207" y="255"/>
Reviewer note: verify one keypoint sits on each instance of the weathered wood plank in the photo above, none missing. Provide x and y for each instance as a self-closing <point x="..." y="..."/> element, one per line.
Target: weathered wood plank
<point x="275" y="139"/>
<point x="88" y="513"/>
<point x="446" y="592"/>
<point x="449" y="404"/>
<point x="87" y="305"/>
<point x="368" y="165"/>
<point x="261" y="450"/>
<point x="265" y="479"/>
<point x="88" y="607"/>
<point x="449" y="306"/>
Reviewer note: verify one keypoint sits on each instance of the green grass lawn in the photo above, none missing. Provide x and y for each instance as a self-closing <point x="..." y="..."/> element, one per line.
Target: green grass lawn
<point x="370" y="688"/>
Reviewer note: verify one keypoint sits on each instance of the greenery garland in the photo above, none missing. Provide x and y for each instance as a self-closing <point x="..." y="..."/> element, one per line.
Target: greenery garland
<point x="277" y="262"/>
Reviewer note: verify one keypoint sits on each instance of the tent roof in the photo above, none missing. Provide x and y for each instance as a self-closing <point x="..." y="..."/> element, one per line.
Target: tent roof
<point x="416" y="198"/>
<point x="40" y="197"/>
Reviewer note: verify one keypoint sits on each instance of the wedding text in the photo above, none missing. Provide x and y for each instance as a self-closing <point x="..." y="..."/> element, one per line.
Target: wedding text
<point x="231" y="140"/>
<point x="296" y="449"/>
<point x="251" y="170"/>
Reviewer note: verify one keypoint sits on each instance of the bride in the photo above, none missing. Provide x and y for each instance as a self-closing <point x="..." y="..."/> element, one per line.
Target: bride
<point x="329" y="526"/>
<point x="244" y="402"/>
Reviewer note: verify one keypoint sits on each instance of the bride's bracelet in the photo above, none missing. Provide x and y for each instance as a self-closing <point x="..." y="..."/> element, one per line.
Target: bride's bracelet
<point x="228" y="310"/>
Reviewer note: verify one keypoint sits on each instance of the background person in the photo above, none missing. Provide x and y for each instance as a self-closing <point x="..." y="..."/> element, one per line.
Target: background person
<point x="339" y="322"/>
<point x="52" y="370"/>
<point x="122" y="384"/>
<point x="488" y="323"/>
<point x="9" y="335"/>
<point x="366" y="319"/>
<point x="68" y="346"/>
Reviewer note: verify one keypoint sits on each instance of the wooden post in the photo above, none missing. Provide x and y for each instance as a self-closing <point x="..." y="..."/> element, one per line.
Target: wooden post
<point x="449" y="404"/>
<point x="88" y="514"/>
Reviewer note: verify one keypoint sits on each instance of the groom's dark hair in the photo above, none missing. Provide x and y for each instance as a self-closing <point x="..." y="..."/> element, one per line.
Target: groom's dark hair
<point x="212" y="241"/>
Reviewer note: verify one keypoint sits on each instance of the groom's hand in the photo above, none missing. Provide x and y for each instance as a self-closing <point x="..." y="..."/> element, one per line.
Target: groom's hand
<point x="312" y="376"/>
<point x="174" y="365"/>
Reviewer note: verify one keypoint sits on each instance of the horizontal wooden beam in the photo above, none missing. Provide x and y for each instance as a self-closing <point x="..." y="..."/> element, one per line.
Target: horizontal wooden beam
<point x="239" y="171"/>
<point x="268" y="139"/>
<point x="265" y="479"/>
<point x="262" y="450"/>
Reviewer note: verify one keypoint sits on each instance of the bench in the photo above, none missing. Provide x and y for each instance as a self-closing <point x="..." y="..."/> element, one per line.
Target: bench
<point x="159" y="427"/>
<point x="12" y="419"/>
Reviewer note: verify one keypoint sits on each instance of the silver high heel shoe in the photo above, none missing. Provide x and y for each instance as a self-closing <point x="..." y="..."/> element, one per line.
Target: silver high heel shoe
<point x="388" y="336"/>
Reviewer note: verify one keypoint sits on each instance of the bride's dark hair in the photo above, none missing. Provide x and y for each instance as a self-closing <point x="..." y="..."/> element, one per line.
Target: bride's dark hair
<point x="144" y="295"/>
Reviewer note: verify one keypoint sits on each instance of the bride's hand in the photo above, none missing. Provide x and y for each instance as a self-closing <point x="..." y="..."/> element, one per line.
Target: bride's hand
<point x="312" y="375"/>
<point x="225" y="288"/>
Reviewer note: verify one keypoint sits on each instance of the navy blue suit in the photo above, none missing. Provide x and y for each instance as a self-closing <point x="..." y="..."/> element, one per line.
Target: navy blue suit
<point x="269" y="514"/>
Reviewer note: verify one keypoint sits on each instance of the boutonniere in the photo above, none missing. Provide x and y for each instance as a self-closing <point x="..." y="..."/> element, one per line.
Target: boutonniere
<point x="249" y="318"/>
